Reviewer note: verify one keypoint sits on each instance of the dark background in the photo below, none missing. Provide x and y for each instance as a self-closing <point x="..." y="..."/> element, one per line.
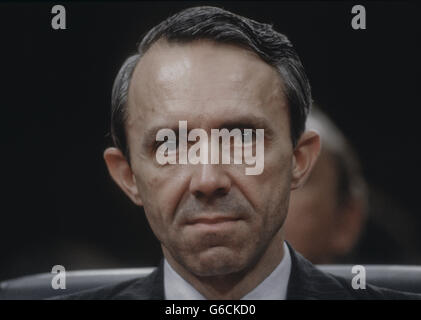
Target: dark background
<point x="58" y="204"/>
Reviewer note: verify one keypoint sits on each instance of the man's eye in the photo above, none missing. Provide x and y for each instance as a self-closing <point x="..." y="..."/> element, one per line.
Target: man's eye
<point x="248" y="136"/>
<point x="167" y="145"/>
<point x="172" y="145"/>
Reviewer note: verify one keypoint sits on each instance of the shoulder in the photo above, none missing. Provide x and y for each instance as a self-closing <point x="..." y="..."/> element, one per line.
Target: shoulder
<point x="108" y="292"/>
<point x="308" y="282"/>
<point x="372" y="292"/>
<point x="148" y="288"/>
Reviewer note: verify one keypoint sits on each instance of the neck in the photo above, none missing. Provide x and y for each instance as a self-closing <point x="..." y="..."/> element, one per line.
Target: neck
<point x="234" y="286"/>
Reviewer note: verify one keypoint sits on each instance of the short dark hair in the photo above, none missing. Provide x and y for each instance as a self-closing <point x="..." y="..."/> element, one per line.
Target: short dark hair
<point x="221" y="26"/>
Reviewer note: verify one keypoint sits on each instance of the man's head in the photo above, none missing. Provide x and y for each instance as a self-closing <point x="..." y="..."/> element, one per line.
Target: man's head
<point x="221" y="26"/>
<point x="216" y="70"/>
<point x="333" y="201"/>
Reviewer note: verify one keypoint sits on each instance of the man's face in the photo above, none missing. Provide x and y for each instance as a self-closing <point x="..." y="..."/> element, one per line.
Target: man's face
<point x="210" y="219"/>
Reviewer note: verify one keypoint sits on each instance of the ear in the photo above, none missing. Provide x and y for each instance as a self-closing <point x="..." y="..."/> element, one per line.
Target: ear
<point x="304" y="157"/>
<point x="122" y="174"/>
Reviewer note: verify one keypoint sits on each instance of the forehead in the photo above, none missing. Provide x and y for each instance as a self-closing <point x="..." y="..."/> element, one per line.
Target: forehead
<point x="202" y="80"/>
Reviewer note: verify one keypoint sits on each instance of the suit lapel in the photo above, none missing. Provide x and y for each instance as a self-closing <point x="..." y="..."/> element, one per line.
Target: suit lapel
<point x="151" y="287"/>
<point x="306" y="282"/>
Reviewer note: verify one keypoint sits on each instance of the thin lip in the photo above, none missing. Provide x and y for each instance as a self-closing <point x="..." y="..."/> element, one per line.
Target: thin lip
<point x="212" y="220"/>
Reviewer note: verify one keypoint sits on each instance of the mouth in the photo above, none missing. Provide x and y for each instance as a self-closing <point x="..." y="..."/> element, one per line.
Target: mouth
<point x="211" y="220"/>
<point x="214" y="224"/>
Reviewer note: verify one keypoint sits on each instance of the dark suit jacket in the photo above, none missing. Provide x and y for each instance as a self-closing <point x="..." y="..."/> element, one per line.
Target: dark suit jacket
<point x="306" y="283"/>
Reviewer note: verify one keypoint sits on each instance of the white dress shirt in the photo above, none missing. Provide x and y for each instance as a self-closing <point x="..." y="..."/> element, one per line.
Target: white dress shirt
<point x="274" y="287"/>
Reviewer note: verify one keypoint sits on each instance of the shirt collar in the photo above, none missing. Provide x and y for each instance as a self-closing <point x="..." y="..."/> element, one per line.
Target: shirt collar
<point x="274" y="287"/>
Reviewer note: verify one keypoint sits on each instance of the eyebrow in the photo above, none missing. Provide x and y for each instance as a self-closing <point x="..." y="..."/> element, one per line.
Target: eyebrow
<point x="240" y="122"/>
<point x="248" y="121"/>
<point x="150" y="134"/>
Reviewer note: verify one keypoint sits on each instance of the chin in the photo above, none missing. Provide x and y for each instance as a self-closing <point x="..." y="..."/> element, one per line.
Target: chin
<point x="217" y="261"/>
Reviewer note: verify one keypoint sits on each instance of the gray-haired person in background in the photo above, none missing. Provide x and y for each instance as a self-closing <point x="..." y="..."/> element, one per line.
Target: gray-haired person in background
<point x="360" y="224"/>
<point x="332" y="203"/>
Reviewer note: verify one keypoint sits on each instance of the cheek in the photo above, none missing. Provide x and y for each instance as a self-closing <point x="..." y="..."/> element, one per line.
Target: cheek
<point x="161" y="190"/>
<point x="272" y="187"/>
<point x="268" y="193"/>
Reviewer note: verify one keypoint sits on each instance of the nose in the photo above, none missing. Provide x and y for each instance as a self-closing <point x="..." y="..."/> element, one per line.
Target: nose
<point x="209" y="181"/>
